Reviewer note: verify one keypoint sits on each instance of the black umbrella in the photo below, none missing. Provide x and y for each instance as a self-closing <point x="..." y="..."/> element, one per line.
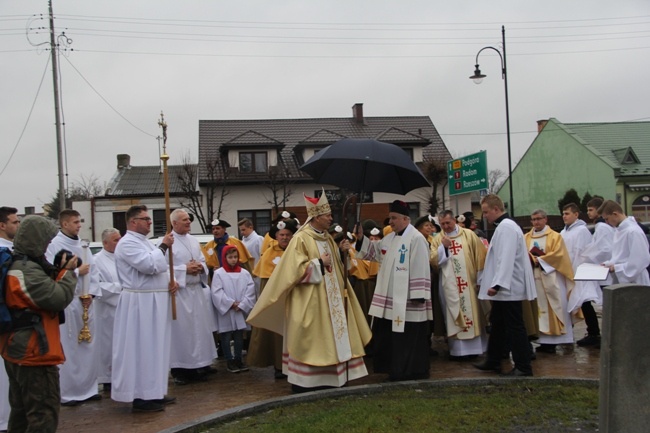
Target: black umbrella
<point x="364" y="164"/>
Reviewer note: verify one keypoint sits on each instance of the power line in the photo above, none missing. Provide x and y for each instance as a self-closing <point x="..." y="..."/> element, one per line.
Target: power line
<point x="105" y="100"/>
<point x="388" y="56"/>
<point x="29" y="116"/>
<point x="191" y="22"/>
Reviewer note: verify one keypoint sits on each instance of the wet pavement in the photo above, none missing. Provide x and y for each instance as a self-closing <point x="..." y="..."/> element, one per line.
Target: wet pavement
<point x="226" y="390"/>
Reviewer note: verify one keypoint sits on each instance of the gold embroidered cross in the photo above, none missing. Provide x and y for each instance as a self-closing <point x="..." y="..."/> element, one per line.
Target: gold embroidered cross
<point x="398" y="321"/>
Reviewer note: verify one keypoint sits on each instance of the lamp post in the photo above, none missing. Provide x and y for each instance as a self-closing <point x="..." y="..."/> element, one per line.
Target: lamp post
<point x="478" y="78"/>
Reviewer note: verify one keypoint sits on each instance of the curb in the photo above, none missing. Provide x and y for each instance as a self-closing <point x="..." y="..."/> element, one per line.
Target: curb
<point x="213" y="420"/>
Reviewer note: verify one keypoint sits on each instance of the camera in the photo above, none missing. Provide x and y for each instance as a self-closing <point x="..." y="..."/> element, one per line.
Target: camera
<point x="68" y="255"/>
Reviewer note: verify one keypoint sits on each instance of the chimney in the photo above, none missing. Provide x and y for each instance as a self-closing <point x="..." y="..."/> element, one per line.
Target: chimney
<point x="357" y="113"/>
<point x="541" y="124"/>
<point x="123" y="161"/>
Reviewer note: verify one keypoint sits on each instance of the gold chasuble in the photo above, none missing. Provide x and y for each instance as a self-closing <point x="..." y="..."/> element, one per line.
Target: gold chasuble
<point x="324" y="338"/>
<point x="547" y="281"/>
<point x="464" y="315"/>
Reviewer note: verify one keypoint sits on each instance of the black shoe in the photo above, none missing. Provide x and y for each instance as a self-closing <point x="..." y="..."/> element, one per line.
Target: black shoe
<point x="232" y="366"/>
<point x="589" y="340"/>
<point x="208" y="370"/>
<point x="241" y="365"/>
<point x="71" y="403"/>
<point x="279" y="374"/>
<point x="488" y="366"/>
<point x="95" y="397"/>
<point x="516" y="373"/>
<point x="546" y="348"/>
<point x="166" y="400"/>
<point x="140" y="405"/>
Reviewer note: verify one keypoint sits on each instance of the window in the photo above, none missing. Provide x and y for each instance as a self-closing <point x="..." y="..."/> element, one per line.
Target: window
<point x="119" y="222"/>
<point x="159" y="222"/>
<point x="252" y="162"/>
<point x="261" y="220"/>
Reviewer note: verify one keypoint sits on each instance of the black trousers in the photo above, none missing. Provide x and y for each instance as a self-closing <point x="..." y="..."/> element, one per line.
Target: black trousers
<point x="403" y="355"/>
<point x="590" y="319"/>
<point x="508" y="330"/>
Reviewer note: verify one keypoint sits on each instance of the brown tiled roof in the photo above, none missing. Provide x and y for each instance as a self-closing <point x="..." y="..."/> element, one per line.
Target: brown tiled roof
<point x="145" y="181"/>
<point x="294" y="134"/>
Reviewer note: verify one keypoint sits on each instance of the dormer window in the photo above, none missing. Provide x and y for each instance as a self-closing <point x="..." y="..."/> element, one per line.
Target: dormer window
<point x="253" y="162"/>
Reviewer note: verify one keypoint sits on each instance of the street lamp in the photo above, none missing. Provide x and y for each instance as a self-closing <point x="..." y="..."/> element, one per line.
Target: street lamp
<point x="478" y="78"/>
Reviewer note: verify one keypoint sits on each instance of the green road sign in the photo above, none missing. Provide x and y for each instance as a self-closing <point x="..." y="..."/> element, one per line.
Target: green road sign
<point x="468" y="173"/>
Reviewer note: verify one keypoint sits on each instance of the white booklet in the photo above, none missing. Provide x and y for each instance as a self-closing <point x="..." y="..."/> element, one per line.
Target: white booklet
<point x="591" y="272"/>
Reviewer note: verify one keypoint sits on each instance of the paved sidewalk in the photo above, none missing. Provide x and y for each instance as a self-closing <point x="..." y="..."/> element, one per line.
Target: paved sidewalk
<point x="226" y="390"/>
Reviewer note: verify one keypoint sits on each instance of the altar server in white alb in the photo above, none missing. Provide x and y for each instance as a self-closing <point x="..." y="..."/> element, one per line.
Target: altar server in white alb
<point x="233" y="296"/>
<point x="105" y="306"/>
<point x="401" y="305"/>
<point x="577" y="237"/>
<point x="597" y="252"/>
<point x="142" y="333"/>
<point x="630" y="256"/>
<point x="507" y="280"/>
<point x="460" y="255"/>
<point x="78" y="375"/>
<point x="193" y="348"/>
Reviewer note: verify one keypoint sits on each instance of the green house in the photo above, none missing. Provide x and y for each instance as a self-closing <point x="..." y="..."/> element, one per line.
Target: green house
<point x="607" y="159"/>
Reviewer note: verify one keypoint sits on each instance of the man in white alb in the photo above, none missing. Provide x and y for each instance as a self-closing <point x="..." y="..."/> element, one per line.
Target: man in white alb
<point x="78" y="375"/>
<point x="193" y="347"/>
<point x="142" y="333"/>
<point x="105" y="306"/>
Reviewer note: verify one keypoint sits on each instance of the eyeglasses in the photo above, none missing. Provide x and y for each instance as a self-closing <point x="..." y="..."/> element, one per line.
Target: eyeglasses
<point x="147" y="219"/>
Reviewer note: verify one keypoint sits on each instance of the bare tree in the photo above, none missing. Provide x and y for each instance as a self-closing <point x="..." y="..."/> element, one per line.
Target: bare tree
<point x="86" y="187"/>
<point x="496" y="178"/>
<point x="189" y="183"/>
<point x="214" y="185"/>
<point x="279" y="185"/>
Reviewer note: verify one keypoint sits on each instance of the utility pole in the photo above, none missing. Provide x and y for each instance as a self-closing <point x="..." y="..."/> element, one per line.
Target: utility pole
<point x="57" y="111"/>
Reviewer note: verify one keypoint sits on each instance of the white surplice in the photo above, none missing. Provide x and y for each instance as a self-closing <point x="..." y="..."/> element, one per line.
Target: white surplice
<point x="600" y="249"/>
<point x="78" y="374"/>
<point x="228" y="287"/>
<point x="630" y="255"/>
<point x="192" y="342"/>
<point x="507" y="265"/>
<point x="142" y="332"/>
<point x="577" y="238"/>
<point x="5" y="409"/>
<point x="105" y="307"/>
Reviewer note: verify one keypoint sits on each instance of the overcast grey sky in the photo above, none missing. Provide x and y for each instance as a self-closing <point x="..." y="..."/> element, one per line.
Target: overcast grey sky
<point x="577" y="61"/>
